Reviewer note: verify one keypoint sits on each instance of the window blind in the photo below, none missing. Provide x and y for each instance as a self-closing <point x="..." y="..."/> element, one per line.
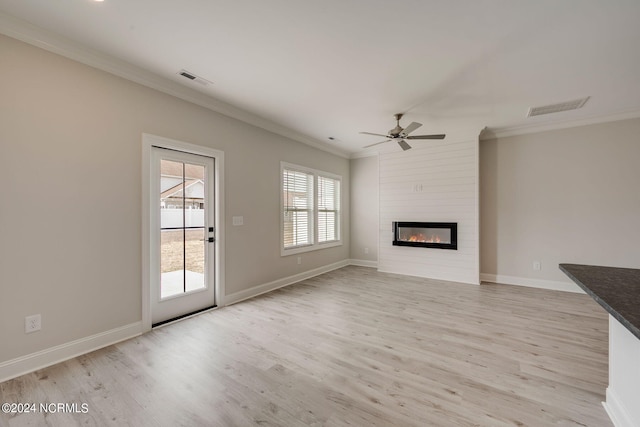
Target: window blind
<point x="328" y="209"/>
<point x="298" y="209"/>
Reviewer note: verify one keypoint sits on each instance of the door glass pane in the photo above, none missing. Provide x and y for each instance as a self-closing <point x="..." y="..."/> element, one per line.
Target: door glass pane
<point x="194" y="221"/>
<point x="182" y="224"/>
<point x="194" y="247"/>
<point x="171" y="188"/>
<point x="171" y="262"/>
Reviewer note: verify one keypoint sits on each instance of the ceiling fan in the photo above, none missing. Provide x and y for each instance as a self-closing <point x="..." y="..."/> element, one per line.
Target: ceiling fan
<point x="399" y="134"/>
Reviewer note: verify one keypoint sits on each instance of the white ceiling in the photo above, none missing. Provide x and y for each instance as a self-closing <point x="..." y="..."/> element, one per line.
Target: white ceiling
<point x="333" y="68"/>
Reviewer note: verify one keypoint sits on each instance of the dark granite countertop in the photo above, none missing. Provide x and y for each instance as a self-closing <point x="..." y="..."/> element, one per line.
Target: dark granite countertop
<point x="615" y="289"/>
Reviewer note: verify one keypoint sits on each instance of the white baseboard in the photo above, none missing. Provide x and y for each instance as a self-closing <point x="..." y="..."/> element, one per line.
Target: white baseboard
<point x="531" y="283"/>
<point x="280" y="283"/>
<point x="363" y="263"/>
<point x="616" y="411"/>
<point x="50" y="356"/>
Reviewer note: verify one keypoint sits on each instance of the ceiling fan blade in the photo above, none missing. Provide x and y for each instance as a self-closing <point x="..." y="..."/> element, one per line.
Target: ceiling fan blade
<point x="402" y="143"/>
<point x="439" y="136"/>
<point x="413" y="126"/>
<point x="375" y="134"/>
<point x="377" y="143"/>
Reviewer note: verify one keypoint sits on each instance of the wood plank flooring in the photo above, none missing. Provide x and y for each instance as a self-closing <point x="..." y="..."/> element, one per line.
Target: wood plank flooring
<point x="352" y="347"/>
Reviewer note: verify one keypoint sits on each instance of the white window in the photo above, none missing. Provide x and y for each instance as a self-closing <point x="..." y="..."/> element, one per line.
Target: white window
<point x="297" y="193"/>
<point x="310" y="209"/>
<point x="328" y="209"/>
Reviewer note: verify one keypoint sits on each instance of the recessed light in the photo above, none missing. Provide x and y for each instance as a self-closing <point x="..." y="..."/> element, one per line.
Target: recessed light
<point x="331" y="138"/>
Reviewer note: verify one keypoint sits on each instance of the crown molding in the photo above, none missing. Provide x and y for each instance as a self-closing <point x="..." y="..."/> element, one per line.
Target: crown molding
<point x="492" y="133"/>
<point x="55" y="43"/>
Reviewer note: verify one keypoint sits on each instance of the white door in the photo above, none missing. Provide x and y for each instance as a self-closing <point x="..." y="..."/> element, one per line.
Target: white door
<point x="182" y="225"/>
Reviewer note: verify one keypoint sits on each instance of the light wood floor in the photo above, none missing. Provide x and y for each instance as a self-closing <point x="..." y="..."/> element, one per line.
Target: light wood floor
<point x="351" y="347"/>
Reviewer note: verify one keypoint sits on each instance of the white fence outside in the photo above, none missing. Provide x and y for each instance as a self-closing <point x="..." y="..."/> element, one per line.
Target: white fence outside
<point x="170" y="218"/>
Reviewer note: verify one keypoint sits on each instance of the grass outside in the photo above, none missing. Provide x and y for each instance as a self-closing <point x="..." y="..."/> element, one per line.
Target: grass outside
<point x="171" y="257"/>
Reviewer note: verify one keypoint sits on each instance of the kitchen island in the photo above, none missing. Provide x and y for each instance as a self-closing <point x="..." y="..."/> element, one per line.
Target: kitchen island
<point x="617" y="290"/>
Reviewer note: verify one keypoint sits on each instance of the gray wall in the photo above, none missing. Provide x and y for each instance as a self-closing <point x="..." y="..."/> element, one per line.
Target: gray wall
<point x="564" y="196"/>
<point x="70" y="214"/>
<point x="364" y="208"/>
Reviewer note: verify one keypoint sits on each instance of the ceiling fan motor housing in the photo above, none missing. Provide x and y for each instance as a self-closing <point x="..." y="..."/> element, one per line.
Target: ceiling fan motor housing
<point x="396" y="131"/>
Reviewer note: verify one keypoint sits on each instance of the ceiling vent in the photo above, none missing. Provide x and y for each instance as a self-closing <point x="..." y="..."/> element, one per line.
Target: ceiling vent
<point x="194" y="78"/>
<point x="556" y="108"/>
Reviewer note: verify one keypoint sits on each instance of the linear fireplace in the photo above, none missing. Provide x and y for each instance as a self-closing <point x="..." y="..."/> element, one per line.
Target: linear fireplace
<point x="440" y="235"/>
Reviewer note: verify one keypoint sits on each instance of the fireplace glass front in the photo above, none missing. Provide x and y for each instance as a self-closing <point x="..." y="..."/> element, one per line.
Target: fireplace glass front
<point x="440" y="235"/>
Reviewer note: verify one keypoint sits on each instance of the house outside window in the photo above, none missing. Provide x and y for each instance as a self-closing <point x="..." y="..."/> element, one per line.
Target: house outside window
<point x="311" y="213"/>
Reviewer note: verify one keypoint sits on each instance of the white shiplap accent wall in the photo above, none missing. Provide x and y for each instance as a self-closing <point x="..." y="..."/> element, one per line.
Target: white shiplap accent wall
<point x="437" y="183"/>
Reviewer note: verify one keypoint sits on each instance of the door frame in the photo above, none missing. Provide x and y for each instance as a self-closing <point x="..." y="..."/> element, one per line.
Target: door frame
<point x="169" y="308"/>
<point x="149" y="141"/>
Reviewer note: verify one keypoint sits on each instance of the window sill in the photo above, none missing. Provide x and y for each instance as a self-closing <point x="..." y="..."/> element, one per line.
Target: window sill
<point x="310" y="248"/>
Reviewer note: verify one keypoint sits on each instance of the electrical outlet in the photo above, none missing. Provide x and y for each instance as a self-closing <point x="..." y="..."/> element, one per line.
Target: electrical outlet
<point x="537" y="265"/>
<point x="299" y="260"/>
<point x="32" y="323"/>
<point x="366" y="250"/>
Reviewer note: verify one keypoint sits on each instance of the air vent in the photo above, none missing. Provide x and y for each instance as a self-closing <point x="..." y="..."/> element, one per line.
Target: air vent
<point x="194" y="78"/>
<point x="556" y="108"/>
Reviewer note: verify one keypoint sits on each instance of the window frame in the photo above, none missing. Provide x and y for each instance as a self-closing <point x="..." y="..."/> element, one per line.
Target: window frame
<point x="337" y="202"/>
<point x="314" y="245"/>
<point x="308" y="211"/>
